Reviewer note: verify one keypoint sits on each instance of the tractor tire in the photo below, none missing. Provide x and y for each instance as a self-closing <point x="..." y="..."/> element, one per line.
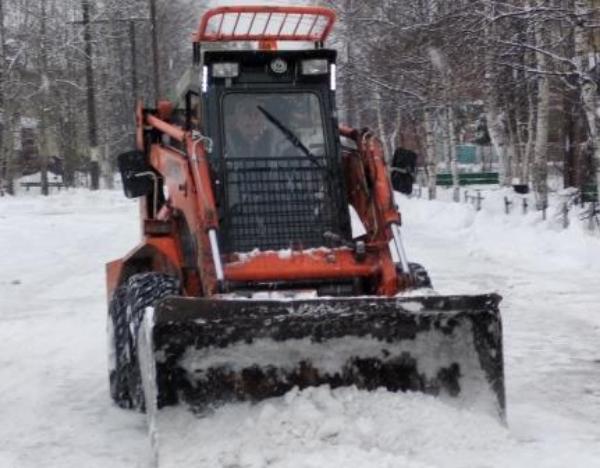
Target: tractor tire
<point x="118" y="349"/>
<point x="143" y="290"/>
<point x="420" y="275"/>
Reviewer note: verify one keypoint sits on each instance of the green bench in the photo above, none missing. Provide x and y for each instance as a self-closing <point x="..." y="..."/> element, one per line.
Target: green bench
<point x="469" y="178"/>
<point x="29" y="185"/>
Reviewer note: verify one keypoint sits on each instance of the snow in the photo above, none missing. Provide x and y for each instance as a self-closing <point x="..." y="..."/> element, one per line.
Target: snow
<point x="55" y="408"/>
<point x="148" y="374"/>
<point x="319" y="427"/>
<point x="356" y="224"/>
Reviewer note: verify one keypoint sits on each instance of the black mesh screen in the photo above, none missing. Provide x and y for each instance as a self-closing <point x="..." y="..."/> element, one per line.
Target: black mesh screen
<point x="274" y="203"/>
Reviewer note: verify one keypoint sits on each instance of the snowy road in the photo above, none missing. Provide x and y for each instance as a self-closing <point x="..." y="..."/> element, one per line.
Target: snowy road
<point x="55" y="410"/>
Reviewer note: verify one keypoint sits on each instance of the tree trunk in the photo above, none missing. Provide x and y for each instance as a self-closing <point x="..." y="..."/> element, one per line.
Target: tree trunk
<point x="526" y="169"/>
<point x="589" y="89"/>
<point x="155" y="51"/>
<point x="382" y="127"/>
<point x="515" y="144"/>
<point x="497" y="133"/>
<point x="443" y="123"/>
<point x="494" y="116"/>
<point x="106" y="168"/>
<point x="352" y="113"/>
<point x="452" y="142"/>
<point x="91" y="99"/>
<point x="569" y="142"/>
<point x="6" y="129"/>
<point x="540" y="152"/>
<point x="430" y="157"/>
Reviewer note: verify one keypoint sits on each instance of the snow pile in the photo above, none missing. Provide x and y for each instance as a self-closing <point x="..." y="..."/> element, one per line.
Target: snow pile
<point x="490" y="233"/>
<point x="318" y="427"/>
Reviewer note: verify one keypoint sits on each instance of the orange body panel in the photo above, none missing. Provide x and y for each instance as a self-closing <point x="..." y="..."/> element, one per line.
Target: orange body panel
<point x="194" y="207"/>
<point x="300" y="265"/>
<point x="158" y="253"/>
<point x="114" y="271"/>
<point x="317" y="264"/>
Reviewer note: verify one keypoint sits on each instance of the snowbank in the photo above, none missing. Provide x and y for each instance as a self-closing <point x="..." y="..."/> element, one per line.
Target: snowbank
<point x="490" y="233"/>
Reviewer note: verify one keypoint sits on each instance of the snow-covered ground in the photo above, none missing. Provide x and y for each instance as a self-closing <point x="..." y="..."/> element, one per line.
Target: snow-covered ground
<point x="55" y="410"/>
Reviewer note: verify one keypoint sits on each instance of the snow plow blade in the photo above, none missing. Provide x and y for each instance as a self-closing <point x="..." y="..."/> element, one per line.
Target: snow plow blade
<point x="209" y="352"/>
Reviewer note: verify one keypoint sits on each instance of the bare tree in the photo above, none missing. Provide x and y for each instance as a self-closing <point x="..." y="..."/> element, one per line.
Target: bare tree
<point x="540" y="173"/>
<point x="6" y="113"/>
<point x="418" y="73"/>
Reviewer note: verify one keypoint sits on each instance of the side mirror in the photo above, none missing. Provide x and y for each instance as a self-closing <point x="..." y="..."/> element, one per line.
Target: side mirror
<point x="136" y="173"/>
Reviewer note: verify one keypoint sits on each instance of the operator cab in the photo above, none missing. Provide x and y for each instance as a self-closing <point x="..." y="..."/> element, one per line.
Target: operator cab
<point x="275" y="153"/>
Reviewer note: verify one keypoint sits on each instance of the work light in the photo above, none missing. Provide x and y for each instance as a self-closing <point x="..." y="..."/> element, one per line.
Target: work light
<point x="315" y="67"/>
<point x="225" y="70"/>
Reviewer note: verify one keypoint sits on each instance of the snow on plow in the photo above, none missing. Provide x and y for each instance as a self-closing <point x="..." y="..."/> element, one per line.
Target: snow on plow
<point x="204" y="353"/>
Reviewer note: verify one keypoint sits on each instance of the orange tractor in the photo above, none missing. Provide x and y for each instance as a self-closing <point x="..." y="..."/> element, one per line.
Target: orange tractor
<point x="271" y="253"/>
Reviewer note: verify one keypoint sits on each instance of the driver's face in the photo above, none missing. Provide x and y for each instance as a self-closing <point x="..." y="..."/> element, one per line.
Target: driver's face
<point x="249" y="121"/>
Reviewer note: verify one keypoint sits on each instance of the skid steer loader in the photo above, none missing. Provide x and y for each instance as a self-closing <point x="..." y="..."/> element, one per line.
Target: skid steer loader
<point x="271" y="253"/>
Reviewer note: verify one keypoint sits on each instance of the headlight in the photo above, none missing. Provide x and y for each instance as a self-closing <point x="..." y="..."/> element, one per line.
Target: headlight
<point x="315" y="67"/>
<point x="225" y="70"/>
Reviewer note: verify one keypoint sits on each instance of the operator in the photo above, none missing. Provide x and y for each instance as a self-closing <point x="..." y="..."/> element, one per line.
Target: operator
<point x="248" y="135"/>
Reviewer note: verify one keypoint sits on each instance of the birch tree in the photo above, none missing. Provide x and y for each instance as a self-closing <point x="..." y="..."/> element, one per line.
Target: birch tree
<point x="540" y="173"/>
<point x="5" y="129"/>
<point x="589" y="86"/>
<point x="7" y="110"/>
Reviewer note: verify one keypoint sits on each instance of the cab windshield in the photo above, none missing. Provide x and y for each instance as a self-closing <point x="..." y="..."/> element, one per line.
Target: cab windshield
<point x="261" y="125"/>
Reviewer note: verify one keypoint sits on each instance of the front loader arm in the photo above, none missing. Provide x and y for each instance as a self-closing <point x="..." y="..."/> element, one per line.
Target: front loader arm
<point x="372" y="195"/>
<point x="187" y="178"/>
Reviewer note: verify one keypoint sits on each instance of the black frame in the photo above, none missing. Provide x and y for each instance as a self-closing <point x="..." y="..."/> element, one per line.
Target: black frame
<point x="257" y="77"/>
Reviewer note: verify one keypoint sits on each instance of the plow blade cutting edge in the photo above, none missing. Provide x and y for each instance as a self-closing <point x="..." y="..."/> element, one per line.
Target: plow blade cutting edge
<point x="204" y="352"/>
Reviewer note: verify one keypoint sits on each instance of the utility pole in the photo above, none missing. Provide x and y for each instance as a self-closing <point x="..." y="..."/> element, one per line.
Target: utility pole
<point x="91" y="98"/>
<point x="155" y="57"/>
